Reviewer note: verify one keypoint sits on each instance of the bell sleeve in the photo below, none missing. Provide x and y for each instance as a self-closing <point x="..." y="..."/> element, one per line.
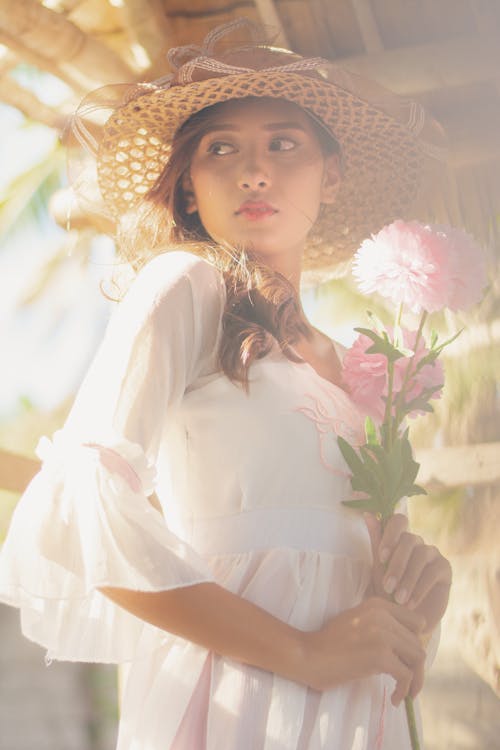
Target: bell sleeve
<point x="85" y="520"/>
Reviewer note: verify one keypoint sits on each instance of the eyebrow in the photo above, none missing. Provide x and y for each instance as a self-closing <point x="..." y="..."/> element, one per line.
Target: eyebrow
<point x="271" y="127"/>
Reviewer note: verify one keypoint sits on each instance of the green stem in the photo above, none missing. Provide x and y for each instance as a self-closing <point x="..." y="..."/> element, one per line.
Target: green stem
<point x="388" y="406"/>
<point x="412" y="723"/>
<point x="409" y="707"/>
<point x="408" y="372"/>
<point x="420" y="328"/>
<point x="399" y="315"/>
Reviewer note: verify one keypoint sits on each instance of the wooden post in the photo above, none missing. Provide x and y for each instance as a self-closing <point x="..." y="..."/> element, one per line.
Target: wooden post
<point x="16" y="471"/>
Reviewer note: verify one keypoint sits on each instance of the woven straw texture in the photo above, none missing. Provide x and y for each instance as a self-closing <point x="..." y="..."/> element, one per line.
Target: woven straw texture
<point x="384" y="159"/>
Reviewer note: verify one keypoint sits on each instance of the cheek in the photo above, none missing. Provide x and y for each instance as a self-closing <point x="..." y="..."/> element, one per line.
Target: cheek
<point x="209" y="184"/>
<point x="304" y="185"/>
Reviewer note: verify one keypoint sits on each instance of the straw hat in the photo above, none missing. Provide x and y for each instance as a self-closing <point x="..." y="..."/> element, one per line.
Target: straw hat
<point x="386" y="141"/>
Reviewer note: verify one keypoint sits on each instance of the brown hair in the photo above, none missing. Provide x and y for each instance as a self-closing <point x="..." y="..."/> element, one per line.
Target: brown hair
<point x="261" y="304"/>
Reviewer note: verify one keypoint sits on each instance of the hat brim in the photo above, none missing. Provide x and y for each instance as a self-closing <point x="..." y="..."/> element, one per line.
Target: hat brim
<point x="384" y="157"/>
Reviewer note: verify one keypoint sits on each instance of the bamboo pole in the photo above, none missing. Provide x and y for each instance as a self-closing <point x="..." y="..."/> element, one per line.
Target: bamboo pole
<point x="16" y="471"/>
<point x="150" y="32"/>
<point x="455" y="466"/>
<point x="31" y="57"/>
<point x="269" y="16"/>
<point x="59" y="40"/>
<point x="367" y="25"/>
<point x="481" y="336"/>
<point x="29" y="104"/>
<point x="430" y="67"/>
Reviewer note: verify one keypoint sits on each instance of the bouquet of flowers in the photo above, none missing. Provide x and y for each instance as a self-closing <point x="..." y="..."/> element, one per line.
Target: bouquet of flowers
<point x="393" y="373"/>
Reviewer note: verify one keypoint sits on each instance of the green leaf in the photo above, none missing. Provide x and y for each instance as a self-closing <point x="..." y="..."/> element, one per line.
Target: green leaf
<point x="364" y="504"/>
<point x="450" y="340"/>
<point x="371" y="334"/>
<point x="350" y="456"/>
<point x="373" y="469"/>
<point x="381" y="345"/>
<point x="415" y="490"/>
<point x="377" y="323"/>
<point x="371" y="432"/>
<point x="27" y="195"/>
<point x="429" y="359"/>
<point x="406" y="352"/>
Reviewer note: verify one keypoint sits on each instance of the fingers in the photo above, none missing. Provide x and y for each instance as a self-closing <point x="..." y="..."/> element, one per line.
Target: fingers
<point x="375" y="637"/>
<point x="406" y="565"/>
<point x="436" y="573"/>
<point x="402" y="675"/>
<point x="417" y="572"/>
<point x="412" y="621"/>
<point x="400" y="652"/>
<point x="396" y="525"/>
<point x="418" y="679"/>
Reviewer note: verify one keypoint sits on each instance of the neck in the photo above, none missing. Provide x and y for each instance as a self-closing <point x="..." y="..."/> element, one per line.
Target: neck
<point x="287" y="266"/>
<point x="291" y="269"/>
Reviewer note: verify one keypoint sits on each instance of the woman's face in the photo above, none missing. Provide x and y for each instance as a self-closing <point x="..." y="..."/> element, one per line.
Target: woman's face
<point x="259" y="175"/>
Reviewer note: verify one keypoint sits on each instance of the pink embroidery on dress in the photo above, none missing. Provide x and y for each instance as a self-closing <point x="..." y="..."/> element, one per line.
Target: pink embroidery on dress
<point x="116" y="464"/>
<point x="327" y="423"/>
<point x="381" y="724"/>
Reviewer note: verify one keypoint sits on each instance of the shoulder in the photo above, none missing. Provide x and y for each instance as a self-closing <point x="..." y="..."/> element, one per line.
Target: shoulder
<point x="176" y="280"/>
<point x="177" y="271"/>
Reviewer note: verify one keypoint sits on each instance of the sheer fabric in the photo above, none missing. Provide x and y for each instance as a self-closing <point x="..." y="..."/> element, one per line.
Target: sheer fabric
<point x="251" y="487"/>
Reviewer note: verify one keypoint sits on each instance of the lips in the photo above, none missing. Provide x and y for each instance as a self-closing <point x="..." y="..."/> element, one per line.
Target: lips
<point x="256" y="210"/>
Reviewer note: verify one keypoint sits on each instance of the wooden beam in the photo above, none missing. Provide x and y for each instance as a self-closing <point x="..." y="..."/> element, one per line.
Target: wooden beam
<point x="429" y="67"/>
<point x="39" y="28"/>
<point x="488" y="22"/>
<point x="151" y="35"/>
<point x="480" y="336"/>
<point x="367" y="25"/>
<point x="269" y="16"/>
<point x="455" y="466"/>
<point x="29" y="104"/>
<point x="16" y="471"/>
<point x="32" y="57"/>
<point x="8" y="60"/>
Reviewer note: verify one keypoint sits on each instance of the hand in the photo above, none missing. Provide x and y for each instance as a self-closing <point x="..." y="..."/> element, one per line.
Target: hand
<point x="412" y="573"/>
<point x="376" y="637"/>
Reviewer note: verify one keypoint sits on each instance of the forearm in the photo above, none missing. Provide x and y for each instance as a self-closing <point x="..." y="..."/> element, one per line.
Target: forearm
<point x="220" y="621"/>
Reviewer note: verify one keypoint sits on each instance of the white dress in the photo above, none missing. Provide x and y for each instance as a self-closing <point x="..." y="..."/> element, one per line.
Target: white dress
<point x="251" y="488"/>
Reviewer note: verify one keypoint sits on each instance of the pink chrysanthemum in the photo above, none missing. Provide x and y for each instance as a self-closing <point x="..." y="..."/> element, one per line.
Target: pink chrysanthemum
<point x="421" y="266"/>
<point x="365" y="375"/>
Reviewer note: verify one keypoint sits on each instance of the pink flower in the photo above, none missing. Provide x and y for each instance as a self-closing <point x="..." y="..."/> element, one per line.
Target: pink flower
<point x="366" y="378"/>
<point x="467" y="268"/>
<point x="430" y="376"/>
<point x="422" y="266"/>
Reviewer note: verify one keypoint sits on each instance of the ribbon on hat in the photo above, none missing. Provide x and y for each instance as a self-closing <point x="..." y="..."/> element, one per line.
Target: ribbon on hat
<point x="185" y="60"/>
<point x="177" y="56"/>
<point x="217" y="66"/>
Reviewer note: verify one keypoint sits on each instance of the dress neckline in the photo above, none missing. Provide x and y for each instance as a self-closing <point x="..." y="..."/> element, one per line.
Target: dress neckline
<point x="312" y="369"/>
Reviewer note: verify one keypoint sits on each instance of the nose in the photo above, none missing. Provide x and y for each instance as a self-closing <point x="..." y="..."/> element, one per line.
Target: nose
<point x="254" y="175"/>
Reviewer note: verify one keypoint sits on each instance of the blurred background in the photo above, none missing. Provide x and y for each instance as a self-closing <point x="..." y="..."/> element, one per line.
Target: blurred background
<point x="57" y="268"/>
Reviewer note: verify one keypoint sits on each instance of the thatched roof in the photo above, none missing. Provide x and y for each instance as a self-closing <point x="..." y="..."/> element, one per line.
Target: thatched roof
<point x="445" y="53"/>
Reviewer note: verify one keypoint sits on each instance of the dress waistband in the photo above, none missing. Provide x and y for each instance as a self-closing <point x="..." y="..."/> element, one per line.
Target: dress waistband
<point x="296" y="527"/>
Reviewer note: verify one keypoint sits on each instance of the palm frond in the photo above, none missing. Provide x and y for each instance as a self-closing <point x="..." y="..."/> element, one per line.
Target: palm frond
<point x="26" y="196"/>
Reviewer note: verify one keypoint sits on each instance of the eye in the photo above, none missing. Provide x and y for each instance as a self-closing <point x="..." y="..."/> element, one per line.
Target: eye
<point x="221" y="148"/>
<point x="282" y="144"/>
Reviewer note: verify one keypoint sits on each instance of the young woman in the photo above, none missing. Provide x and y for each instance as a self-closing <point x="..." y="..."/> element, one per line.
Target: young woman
<point x="257" y="611"/>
